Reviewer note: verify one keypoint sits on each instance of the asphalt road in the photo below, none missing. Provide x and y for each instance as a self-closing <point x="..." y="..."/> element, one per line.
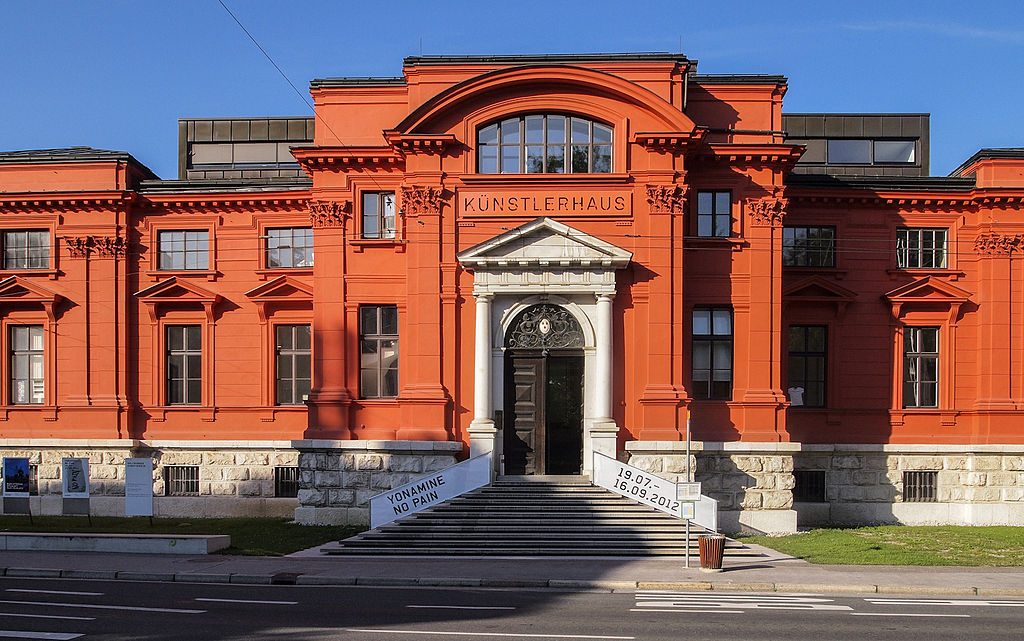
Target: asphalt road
<point x="68" y="609"/>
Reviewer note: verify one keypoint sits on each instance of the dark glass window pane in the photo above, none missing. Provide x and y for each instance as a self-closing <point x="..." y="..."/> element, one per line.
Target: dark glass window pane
<point x="389" y="319"/>
<point x="580" y="158"/>
<point x="602" y="159"/>
<point x="849" y="151"/>
<point x="510" y="131"/>
<point x="193" y="337"/>
<point x="556" y="129"/>
<point x="303" y="337"/>
<point x="556" y="159"/>
<point x="602" y="133"/>
<point x="580" y="130"/>
<point x="194" y="392"/>
<point x="534" y="129"/>
<point x="488" y="135"/>
<point x="367" y="320"/>
<point x="534" y="159"/>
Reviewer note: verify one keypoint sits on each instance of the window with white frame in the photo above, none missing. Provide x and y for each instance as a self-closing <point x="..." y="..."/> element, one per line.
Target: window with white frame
<point x="921" y="248"/>
<point x="183" y="249"/>
<point x="378" y="351"/>
<point x="545" y="144"/>
<point x="379" y="214"/>
<point x="920" y="367"/>
<point x="714" y="214"/>
<point x="712" y="353"/>
<point x="184" y="365"/>
<point x="290" y="247"/>
<point x="294" y="363"/>
<point x="27" y="365"/>
<point x="26" y="249"/>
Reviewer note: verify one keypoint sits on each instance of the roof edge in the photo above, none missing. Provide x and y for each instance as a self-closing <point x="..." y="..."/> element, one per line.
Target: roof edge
<point x="992" y="153"/>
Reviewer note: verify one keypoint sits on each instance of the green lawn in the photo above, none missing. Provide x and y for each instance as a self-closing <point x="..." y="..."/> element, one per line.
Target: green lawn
<point x="264" y="536"/>
<point x="904" y="545"/>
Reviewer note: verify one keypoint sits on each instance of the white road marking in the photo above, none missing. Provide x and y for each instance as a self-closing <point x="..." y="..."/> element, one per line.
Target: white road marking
<point x="104" y="607"/>
<point x="702" y="601"/>
<point x="248" y="601"/>
<point x="715" y="611"/>
<point x="908" y="614"/>
<point x="53" y="636"/>
<point x="462" y="607"/>
<point x="45" y="616"/>
<point x="54" y="592"/>
<point x="960" y="602"/>
<point x="489" y="634"/>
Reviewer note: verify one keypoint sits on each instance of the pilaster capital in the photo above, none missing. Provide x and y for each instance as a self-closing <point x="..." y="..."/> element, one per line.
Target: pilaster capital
<point x="422" y="200"/>
<point x="667" y="199"/>
<point x="109" y="246"/>
<point x="78" y="246"/>
<point x="328" y="213"/>
<point x="995" y="244"/>
<point x="768" y="212"/>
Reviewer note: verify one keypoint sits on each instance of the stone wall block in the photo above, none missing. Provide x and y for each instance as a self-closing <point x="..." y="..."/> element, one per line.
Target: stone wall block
<point x="1003" y="479"/>
<point x="851" y="493"/>
<point x="921" y="463"/>
<point x="957" y="494"/>
<point x="333" y="461"/>
<point x="985" y="463"/>
<point x="205" y="488"/>
<point x="736" y="482"/>
<point x="975" y="479"/>
<point x="401" y="463"/>
<point x="234" y="474"/>
<point x="812" y="461"/>
<point x="648" y="463"/>
<point x="261" y="473"/>
<point x="786" y="482"/>
<point x="437" y="463"/>
<point x="253" y="458"/>
<point x="312" y="497"/>
<point x="363" y="497"/>
<point x="113" y="458"/>
<point x="355" y="479"/>
<point x="1014" y="494"/>
<point x="895" y="477"/>
<point x="726" y="500"/>
<point x="370" y="462"/>
<point x="348" y="462"/>
<point x="847" y="462"/>
<point x="892" y="463"/>
<point x="879" y="493"/>
<point x="325" y="479"/>
<point x="865" y="478"/>
<point x="764" y="481"/>
<point x="982" y="494"/>
<point x="284" y="459"/>
<point x="709" y="483"/>
<point x="777" y="500"/>
<point x="181" y="458"/>
<point x="748" y="463"/>
<point x="250" y="488"/>
<point x="778" y="464"/>
<point x="875" y="462"/>
<point x="158" y="488"/>
<point x="752" y="500"/>
<point x="222" y="489"/>
<point x="103" y="471"/>
<point x="219" y="458"/>
<point x="1013" y="463"/>
<point x="677" y="464"/>
<point x="381" y="482"/>
<point x="954" y="462"/>
<point x="48" y="471"/>
<point x="306" y="478"/>
<point x="341" y="498"/>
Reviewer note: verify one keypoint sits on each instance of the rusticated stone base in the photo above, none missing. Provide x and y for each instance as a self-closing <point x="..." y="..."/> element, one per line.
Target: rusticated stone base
<point x="338" y="478"/>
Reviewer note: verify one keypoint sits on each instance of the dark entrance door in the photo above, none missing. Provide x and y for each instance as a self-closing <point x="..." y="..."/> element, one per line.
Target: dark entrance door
<point x="543" y="431"/>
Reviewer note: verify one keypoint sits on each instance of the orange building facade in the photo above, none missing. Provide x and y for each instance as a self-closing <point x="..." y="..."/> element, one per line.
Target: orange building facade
<point x="540" y="258"/>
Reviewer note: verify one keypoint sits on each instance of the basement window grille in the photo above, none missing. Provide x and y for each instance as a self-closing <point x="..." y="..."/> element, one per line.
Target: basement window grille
<point x="809" y="486"/>
<point x="919" y="487"/>
<point x="286" y="482"/>
<point x="33" y="480"/>
<point x="181" y="480"/>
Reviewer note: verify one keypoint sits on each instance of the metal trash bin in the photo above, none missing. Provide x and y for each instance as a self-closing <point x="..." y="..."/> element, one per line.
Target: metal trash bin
<point x="712" y="549"/>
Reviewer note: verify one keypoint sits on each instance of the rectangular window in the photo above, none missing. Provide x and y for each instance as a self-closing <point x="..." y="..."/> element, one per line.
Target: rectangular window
<point x="183" y="250"/>
<point x="289" y="247"/>
<point x="293" y="364"/>
<point x="712" y="354"/>
<point x="849" y="152"/>
<point x="26" y="249"/>
<point x="184" y="364"/>
<point x="921" y="367"/>
<point x="28" y="383"/>
<point x="379" y="214"/>
<point x="920" y="486"/>
<point x="921" y="248"/>
<point x="809" y="246"/>
<point x="286" y="482"/>
<point x="181" y="480"/>
<point x="714" y="214"/>
<point x="378" y="351"/>
<point x="895" y="151"/>
<point x="808" y="357"/>
<point x="809" y="486"/>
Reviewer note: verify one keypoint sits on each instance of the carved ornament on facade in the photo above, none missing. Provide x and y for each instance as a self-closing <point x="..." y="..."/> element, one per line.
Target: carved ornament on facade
<point x="109" y="246"/>
<point x="994" y="244"/>
<point x="667" y="198"/>
<point x="422" y="200"/>
<point x="768" y="212"/>
<point x="327" y="213"/>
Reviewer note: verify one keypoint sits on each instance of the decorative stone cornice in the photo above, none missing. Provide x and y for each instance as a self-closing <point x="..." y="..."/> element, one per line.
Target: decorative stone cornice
<point x="109" y="246"/>
<point x="327" y="213"/>
<point x="994" y="244"/>
<point x="422" y="200"/>
<point x="768" y="212"/>
<point x="667" y="198"/>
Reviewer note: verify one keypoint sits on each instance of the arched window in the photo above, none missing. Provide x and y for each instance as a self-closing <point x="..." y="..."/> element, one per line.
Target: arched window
<point x="544" y="144"/>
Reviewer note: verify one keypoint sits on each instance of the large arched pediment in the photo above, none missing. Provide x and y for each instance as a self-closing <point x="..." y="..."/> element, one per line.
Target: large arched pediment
<point x="568" y="79"/>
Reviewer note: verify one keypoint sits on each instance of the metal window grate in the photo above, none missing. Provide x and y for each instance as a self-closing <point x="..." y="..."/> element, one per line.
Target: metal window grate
<point x="286" y="482"/>
<point x="181" y="480"/>
<point x="809" y="486"/>
<point x="919" y="487"/>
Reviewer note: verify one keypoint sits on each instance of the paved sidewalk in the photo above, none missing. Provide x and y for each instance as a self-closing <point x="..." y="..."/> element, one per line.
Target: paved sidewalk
<point x="770" y="573"/>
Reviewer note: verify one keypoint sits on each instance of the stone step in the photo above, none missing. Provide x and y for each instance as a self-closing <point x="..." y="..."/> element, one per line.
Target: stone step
<point x="497" y="552"/>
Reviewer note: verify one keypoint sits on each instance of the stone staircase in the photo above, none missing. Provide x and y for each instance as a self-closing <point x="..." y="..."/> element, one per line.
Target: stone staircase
<point x="533" y="516"/>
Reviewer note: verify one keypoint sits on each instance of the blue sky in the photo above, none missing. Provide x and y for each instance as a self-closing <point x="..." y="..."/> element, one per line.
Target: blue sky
<point x="117" y="74"/>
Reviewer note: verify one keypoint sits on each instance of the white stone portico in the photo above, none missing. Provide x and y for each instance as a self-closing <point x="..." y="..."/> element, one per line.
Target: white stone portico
<point x="544" y="261"/>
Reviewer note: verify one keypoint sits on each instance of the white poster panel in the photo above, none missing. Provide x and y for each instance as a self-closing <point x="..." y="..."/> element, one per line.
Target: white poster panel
<point x="138" y="487"/>
<point x="74" y="478"/>
<point x="636" y="484"/>
<point x="430" y="490"/>
<point x="16" y="471"/>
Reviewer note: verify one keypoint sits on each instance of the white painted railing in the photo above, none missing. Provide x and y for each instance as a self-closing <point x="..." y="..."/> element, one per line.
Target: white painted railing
<point x="430" y="489"/>
<point x="661" y="494"/>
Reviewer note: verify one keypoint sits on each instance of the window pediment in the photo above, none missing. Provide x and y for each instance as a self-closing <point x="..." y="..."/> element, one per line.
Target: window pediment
<point x="545" y="243"/>
<point x="928" y="291"/>
<point x="16" y="289"/>
<point x="178" y="292"/>
<point x="282" y="291"/>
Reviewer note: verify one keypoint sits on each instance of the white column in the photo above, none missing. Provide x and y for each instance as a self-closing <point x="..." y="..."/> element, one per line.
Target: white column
<point x="603" y="431"/>
<point x="482" y="433"/>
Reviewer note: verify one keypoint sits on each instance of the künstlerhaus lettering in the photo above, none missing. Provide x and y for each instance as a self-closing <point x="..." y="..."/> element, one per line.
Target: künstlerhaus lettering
<point x="544" y="203"/>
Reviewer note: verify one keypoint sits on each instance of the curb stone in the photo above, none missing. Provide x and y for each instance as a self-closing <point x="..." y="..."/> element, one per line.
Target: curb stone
<point x="43" y="573"/>
<point x="851" y="588"/>
<point x="146" y="576"/>
<point x="88" y="574"/>
<point x="189" y="577"/>
<point x="250" y="579"/>
<point x="926" y="589"/>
